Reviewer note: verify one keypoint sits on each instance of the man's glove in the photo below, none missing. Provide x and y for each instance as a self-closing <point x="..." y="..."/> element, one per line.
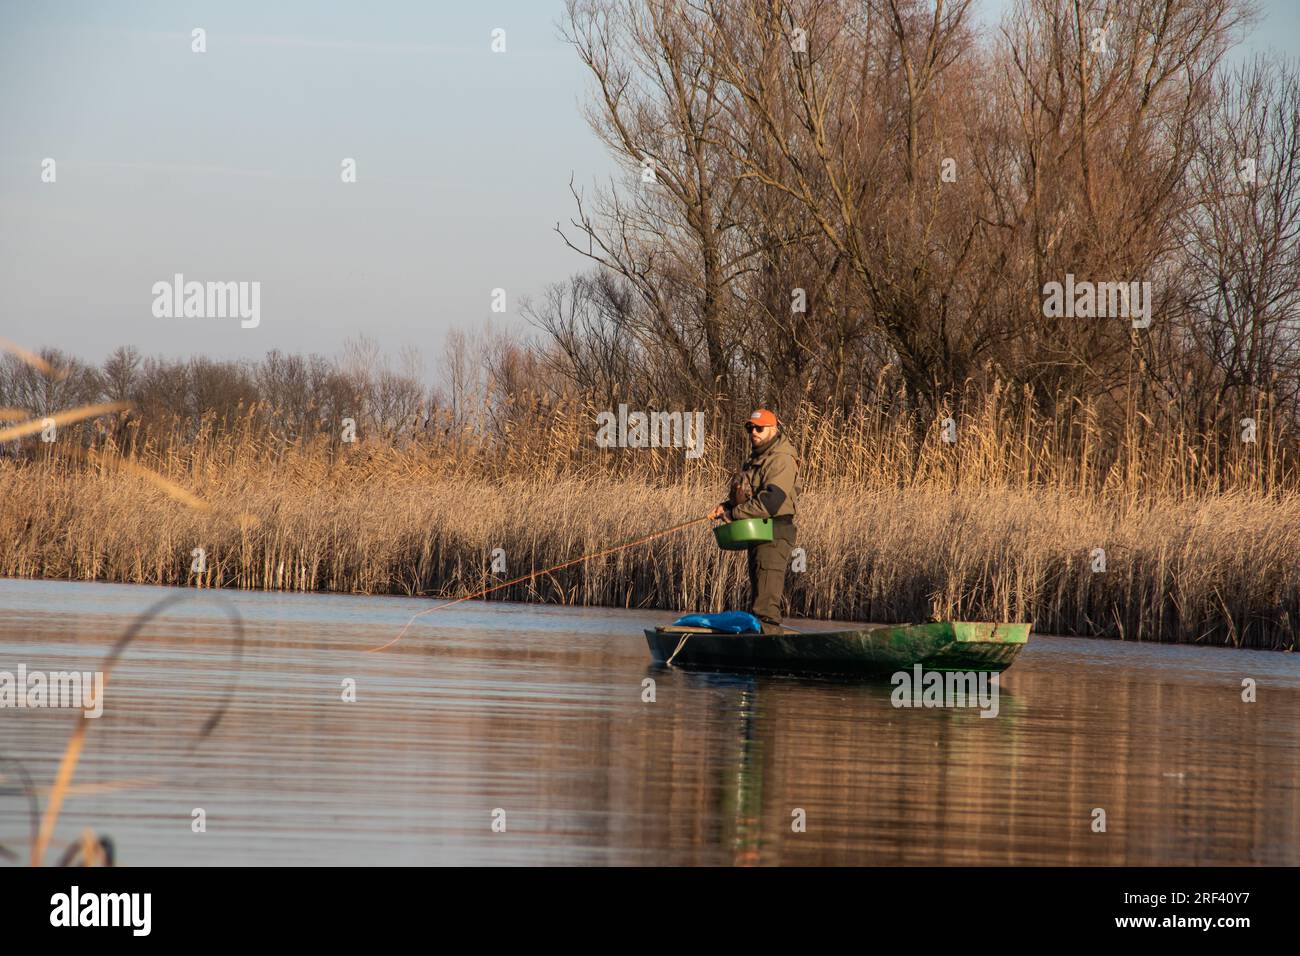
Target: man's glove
<point x="739" y="492"/>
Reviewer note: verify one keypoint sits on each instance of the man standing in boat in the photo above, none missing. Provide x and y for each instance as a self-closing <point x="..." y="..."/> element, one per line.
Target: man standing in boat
<point x="765" y="488"/>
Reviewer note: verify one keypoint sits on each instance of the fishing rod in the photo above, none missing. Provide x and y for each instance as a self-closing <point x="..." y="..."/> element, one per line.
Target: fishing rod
<point x="528" y="577"/>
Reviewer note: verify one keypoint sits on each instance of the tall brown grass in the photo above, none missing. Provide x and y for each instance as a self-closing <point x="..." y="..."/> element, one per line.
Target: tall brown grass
<point x="897" y="524"/>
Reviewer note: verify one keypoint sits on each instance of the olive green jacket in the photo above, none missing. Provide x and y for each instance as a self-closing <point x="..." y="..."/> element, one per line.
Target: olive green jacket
<point x="771" y="476"/>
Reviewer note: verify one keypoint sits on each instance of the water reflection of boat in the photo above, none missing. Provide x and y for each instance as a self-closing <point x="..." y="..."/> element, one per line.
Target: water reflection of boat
<point x="747" y="799"/>
<point x="941" y="646"/>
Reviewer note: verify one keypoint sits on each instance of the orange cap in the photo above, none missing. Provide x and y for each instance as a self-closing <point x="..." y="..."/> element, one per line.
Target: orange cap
<point x="761" y="417"/>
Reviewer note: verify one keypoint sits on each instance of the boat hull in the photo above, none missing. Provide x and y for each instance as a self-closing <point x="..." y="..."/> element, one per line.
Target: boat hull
<point x="941" y="646"/>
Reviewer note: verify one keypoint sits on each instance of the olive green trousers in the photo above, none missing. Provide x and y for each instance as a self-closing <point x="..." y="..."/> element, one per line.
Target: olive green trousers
<point x="767" y="564"/>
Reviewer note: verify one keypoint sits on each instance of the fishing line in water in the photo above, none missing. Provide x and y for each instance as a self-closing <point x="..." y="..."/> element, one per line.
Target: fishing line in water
<point x="534" y="574"/>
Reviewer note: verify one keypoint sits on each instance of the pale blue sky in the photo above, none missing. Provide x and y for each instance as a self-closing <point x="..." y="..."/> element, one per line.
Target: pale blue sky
<point x="225" y="166"/>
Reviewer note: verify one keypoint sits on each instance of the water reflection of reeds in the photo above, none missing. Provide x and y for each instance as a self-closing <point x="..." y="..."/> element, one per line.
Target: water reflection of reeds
<point x="895" y="787"/>
<point x="540" y="712"/>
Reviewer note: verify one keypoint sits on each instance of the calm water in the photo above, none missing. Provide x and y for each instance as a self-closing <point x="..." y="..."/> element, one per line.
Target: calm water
<point x="538" y="712"/>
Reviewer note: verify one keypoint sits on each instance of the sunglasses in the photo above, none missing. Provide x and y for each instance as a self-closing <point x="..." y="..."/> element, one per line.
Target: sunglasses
<point x="754" y="428"/>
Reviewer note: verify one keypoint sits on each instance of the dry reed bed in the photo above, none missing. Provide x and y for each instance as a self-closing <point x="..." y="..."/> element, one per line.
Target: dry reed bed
<point x="1000" y="440"/>
<point x="1208" y="568"/>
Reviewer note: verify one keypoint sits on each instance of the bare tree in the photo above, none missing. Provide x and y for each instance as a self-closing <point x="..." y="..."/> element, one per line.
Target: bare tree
<point x="674" y="235"/>
<point x="1242" y="243"/>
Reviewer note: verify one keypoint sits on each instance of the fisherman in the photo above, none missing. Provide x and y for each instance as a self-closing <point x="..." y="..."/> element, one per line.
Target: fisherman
<point x="765" y="488"/>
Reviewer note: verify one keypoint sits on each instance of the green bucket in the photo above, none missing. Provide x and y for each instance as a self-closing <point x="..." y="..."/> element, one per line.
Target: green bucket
<point x="738" y="535"/>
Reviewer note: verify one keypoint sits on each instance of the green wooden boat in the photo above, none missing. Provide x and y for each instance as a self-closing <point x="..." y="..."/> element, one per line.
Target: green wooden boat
<point x="942" y="646"/>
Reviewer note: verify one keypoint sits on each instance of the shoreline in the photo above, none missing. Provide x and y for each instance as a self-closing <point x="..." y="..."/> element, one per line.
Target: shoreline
<point x="1207" y="571"/>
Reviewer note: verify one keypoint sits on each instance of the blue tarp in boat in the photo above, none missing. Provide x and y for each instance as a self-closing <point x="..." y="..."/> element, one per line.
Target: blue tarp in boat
<point x="729" y="622"/>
